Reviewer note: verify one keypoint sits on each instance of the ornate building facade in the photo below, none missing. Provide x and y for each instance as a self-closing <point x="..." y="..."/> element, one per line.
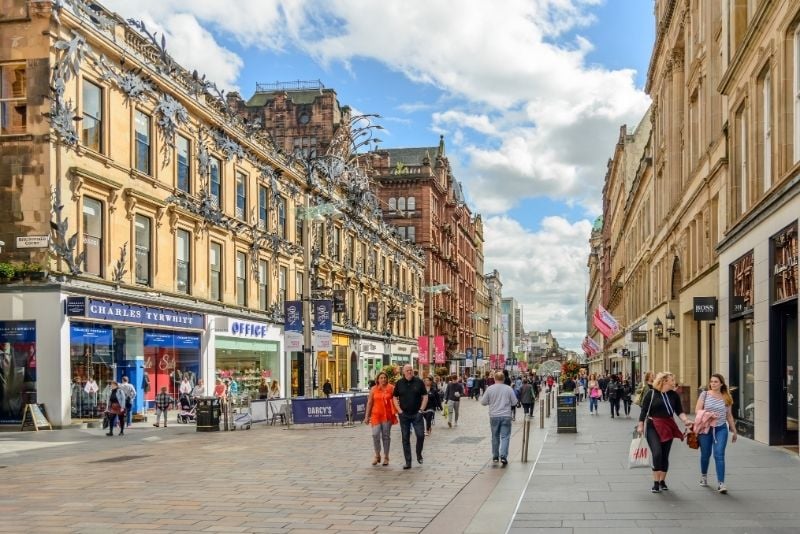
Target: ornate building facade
<point x="166" y="232"/>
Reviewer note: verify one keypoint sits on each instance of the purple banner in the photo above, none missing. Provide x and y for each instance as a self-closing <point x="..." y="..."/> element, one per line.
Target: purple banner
<point x="333" y="410"/>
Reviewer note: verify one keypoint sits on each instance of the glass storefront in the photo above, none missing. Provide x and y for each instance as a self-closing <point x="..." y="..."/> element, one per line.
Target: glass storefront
<point x="742" y="357"/>
<point x="150" y="358"/>
<point x="242" y="363"/>
<point x="17" y="368"/>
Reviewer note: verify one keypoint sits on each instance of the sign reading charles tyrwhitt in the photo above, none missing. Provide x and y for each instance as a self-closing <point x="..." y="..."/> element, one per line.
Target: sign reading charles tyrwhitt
<point x="704" y="308"/>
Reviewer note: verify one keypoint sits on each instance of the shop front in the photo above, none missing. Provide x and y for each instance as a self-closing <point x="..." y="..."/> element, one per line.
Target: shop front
<point x="403" y="353"/>
<point x="154" y="347"/>
<point x="244" y="353"/>
<point x="334" y="365"/>
<point x="17" y="369"/>
<point x="371" y="360"/>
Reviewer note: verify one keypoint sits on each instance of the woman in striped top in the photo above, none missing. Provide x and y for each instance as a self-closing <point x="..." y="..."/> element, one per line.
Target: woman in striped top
<point x="718" y="401"/>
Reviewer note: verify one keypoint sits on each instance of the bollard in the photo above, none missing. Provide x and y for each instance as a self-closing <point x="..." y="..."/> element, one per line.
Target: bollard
<point x="548" y="405"/>
<point x="526" y="437"/>
<point x="541" y="413"/>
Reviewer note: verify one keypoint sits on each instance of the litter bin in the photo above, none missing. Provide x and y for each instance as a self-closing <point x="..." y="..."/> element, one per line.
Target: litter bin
<point x="566" y="414"/>
<point x="208" y="412"/>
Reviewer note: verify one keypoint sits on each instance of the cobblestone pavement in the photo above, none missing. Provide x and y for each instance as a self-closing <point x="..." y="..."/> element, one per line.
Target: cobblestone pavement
<point x="268" y="479"/>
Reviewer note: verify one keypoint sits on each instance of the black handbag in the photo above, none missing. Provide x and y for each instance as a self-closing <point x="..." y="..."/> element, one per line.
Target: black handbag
<point x="105" y="421"/>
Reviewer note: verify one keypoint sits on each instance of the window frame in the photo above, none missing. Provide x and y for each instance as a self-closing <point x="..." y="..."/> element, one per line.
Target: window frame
<point x="263" y="284"/>
<point x="219" y="249"/>
<point x="100" y="148"/>
<point x="216" y="199"/>
<point x="241" y="278"/>
<point x="281" y="217"/>
<point x="188" y="261"/>
<point x="138" y="144"/>
<point x="100" y="247"/>
<point x="263" y="207"/>
<point x="21" y="101"/>
<point x="148" y="282"/>
<point x="179" y="166"/>
<point x="240" y="208"/>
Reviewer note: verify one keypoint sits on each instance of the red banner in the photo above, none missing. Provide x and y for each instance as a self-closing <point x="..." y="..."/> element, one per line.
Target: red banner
<point x="422" y="346"/>
<point x="501" y="361"/>
<point x="493" y="361"/>
<point x="438" y="349"/>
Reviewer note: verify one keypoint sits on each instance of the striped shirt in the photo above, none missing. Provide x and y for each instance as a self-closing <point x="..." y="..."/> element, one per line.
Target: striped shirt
<point x="717" y="406"/>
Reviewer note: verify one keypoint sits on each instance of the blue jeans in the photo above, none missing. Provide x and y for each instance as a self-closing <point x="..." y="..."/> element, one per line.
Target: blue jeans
<point x="714" y="441"/>
<point x="593" y="404"/>
<point x="501" y="435"/>
<point x="406" y="423"/>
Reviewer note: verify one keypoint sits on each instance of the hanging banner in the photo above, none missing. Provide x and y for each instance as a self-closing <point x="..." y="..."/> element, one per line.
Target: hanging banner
<point x="338" y="301"/>
<point x="322" y="326"/>
<point x="438" y="350"/>
<point x="293" y="325"/>
<point x="493" y="361"/>
<point x="422" y="346"/>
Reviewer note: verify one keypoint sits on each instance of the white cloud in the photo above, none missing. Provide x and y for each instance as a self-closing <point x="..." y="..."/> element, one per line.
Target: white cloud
<point x="544" y="270"/>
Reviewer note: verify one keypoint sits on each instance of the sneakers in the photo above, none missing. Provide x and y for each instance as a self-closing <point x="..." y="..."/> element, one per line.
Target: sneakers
<point x="704" y="481"/>
<point x="495" y="459"/>
<point x="722" y="489"/>
<point x="656" y="488"/>
<point x="504" y="461"/>
<point x="663" y="486"/>
<point x="407" y="466"/>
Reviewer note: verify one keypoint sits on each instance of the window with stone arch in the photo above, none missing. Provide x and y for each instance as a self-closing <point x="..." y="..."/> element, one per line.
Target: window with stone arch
<point x="411" y="204"/>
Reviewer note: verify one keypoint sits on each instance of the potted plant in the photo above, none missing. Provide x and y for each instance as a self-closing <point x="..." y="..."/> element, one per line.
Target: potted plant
<point x="7" y="271"/>
<point x="36" y="271"/>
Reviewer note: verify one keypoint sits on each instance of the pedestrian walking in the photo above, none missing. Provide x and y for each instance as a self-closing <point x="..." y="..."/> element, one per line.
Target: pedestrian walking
<point x="659" y="407"/>
<point x="499" y="397"/>
<point x="410" y="400"/>
<point x="115" y="408"/>
<point x="717" y="403"/>
<point x="613" y="394"/>
<point x="603" y="381"/>
<point x="434" y="403"/>
<point x="452" y="395"/>
<point x="327" y="388"/>
<point x="380" y="413"/>
<point x="595" y="393"/>
<point x="130" y="394"/>
<point x="626" y="393"/>
<point x="526" y="397"/>
<point x="163" y="402"/>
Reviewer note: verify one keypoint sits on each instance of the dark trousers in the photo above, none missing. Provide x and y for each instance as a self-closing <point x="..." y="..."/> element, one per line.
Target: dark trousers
<point x="428" y="415"/>
<point x="112" y="420"/>
<point x="614" y="406"/>
<point x="660" y="449"/>
<point x="406" y="423"/>
<point x="528" y="408"/>
<point x="128" y="412"/>
<point x="626" y="403"/>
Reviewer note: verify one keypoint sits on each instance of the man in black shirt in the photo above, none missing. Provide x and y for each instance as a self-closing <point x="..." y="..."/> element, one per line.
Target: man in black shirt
<point x="410" y="400"/>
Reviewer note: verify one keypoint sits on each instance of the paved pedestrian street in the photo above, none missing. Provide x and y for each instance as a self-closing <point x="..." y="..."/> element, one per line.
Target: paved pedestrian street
<point x="303" y="479"/>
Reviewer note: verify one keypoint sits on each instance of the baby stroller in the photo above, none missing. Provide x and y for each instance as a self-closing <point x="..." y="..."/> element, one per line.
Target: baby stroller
<point x="187" y="412"/>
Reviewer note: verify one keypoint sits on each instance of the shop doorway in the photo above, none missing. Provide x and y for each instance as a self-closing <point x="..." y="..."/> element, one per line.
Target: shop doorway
<point x="783" y="371"/>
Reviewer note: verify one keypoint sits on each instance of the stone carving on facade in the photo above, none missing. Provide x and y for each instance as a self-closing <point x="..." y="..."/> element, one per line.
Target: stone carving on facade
<point x="120" y="267"/>
<point x="61" y="246"/>
<point x="171" y="114"/>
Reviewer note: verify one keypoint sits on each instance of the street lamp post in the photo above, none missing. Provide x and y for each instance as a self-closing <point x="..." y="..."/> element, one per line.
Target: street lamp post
<point x="475" y="316"/>
<point x="432" y="290"/>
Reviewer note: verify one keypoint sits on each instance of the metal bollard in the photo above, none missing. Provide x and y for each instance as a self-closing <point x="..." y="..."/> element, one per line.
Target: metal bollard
<point x="548" y="405"/>
<point x="541" y="413"/>
<point x="526" y="437"/>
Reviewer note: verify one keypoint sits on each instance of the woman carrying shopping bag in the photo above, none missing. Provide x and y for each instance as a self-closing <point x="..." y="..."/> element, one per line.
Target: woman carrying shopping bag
<point x="662" y="406"/>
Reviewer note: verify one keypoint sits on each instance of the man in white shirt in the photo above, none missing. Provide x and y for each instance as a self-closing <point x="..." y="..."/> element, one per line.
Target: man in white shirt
<point x="500" y="397"/>
<point x="130" y="394"/>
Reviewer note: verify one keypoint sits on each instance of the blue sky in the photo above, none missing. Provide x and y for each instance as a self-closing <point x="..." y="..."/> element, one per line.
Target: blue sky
<point x="529" y="97"/>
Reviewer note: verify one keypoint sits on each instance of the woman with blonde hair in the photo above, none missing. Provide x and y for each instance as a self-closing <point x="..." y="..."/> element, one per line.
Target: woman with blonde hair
<point x="659" y="407"/>
<point x="380" y="413"/>
<point x="716" y="402"/>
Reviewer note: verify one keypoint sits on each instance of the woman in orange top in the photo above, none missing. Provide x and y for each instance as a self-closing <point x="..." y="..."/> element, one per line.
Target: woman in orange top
<point x="380" y="414"/>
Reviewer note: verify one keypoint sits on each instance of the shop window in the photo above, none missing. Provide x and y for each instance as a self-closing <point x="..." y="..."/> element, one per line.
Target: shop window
<point x="784" y="269"/>
<point x="243" y="363"/>
<point x="743" y="374"/>
<point x="215" y="181"/>
<point x="241" y="279"/>
<point x="13" y="99"/>
<point x="93" y="236"/>
<point x="263" y="287"/>
<point x="183" y="261"/>
<point x="169" y="357"/>
<point x="184" y="164"/>
<point x="18" y="367"/>
<point x="241" y="196"/>
<point x="91" y="360"/>
<point x="92" y="123"/>
<point x="143" y="250"/>
<point x="215" y="271"/>
<point x="143" y="141"/>
<point x="282" y="217"/>
<point x="263" y="198"/>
